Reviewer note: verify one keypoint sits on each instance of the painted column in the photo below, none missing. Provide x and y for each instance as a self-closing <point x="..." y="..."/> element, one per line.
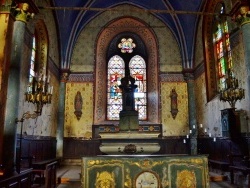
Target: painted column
<point x="192" y="113"/>
<point x="13" y="87"/>
<point x="61" y="116"/>
<point x="242" y="18"/>
<point x="6" y="30"/>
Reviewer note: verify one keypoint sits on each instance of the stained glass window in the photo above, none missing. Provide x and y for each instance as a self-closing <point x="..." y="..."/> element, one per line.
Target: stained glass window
<point x="116" y="71"/>
<point x="137" y="68"/>
<point x="126" y="45"/>
<point x="32" y="63"/>
<point x="222" y="49"/>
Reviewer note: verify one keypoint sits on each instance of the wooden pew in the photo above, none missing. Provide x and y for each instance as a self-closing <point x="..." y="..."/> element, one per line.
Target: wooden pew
<point x="50" y="175"/>
<point x="46" y="172"/>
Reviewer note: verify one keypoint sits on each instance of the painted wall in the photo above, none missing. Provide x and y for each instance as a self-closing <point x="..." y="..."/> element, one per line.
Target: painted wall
<point x="72" y="126"/>
<point x="179" y="125"/>
<point x="209" y="112"/>
<point x="83" y="60"/>
<point x="46" y="124"/>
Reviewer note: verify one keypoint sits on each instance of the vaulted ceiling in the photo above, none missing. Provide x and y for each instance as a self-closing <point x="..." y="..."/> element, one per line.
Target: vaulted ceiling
<point x="180" y="16"/>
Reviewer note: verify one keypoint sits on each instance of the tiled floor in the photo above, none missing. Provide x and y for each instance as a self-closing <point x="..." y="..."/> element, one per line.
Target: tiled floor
<point x="70" y="177"/>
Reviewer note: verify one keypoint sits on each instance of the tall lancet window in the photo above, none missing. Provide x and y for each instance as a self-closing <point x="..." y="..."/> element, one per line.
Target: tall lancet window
<point x="222" y="48"/>
<point x="116" y="71"/>
<point x="137" y="68"/>
<point x="33" y="60"/>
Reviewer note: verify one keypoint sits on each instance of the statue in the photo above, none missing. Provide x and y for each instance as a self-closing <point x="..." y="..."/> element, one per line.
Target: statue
<point x="22" y="13"/>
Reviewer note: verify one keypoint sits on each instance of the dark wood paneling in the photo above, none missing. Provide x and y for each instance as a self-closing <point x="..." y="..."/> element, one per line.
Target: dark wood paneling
<point x="222" y="148"/>
<point x="173" y="145"/>
<point x="74" y="148"/>
<point x="42" y="148"/>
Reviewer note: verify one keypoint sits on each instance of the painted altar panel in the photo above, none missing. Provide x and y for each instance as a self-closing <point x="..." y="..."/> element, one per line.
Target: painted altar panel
<point x="180" y="171"/>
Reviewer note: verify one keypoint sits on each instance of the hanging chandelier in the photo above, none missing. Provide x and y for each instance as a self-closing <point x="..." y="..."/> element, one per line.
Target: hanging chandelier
<point x="231" y="93"/>
<point x="39" y="92"/>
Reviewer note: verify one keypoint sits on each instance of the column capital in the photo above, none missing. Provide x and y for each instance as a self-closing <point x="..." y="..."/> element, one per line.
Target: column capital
<point x="64" y="76"/>
<point x="22" y="12"/>
<point x="188" y="75"/>
<point x="241" y="15"/>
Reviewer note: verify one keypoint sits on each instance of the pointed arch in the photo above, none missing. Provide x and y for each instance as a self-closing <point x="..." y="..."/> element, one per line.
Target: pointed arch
<point x="126" y="24"/>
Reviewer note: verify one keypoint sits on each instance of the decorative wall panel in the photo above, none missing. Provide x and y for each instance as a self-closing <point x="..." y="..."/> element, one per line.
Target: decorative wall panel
<point x="72" y="126"/>
<point x="179" y="125"/>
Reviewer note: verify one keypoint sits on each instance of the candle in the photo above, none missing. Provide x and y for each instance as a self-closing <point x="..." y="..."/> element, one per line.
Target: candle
<point x="48" y="79"/>
<point x="209" y="134"/>
<point x="193" y="126"/>
<point x="201" y="125"/>
<point x="214" y="139"/>
<point x="205" y="130"/>
<point x="51" y="89"/>
<point x="190" y="131"/>
<point x="184" y="141"/>
<point x="187" y="136"/>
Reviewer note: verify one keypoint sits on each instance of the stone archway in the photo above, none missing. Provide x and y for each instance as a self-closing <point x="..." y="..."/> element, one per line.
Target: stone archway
<point x="126" y="24"/>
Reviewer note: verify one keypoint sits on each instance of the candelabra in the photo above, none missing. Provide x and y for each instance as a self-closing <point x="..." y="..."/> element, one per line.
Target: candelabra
<point x="200" y="131"/>
<point x="39" y="92"/>
<point x="231" y="93"/>
<point x="197" y="132"/>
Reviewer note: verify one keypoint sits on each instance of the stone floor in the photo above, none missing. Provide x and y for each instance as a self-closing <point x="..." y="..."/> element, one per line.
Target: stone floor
<point x="70" y="178"/>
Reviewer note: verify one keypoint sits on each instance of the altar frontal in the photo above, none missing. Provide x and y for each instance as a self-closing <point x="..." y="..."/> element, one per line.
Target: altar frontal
<point x="182" y="171"/>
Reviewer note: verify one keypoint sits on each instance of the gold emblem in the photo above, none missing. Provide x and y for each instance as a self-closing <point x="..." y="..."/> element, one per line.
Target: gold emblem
<point x="105" y="180"/>
<point x="186" y="179"/>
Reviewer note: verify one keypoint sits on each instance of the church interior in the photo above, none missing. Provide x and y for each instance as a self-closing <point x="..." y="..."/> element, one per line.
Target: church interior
<point x="135" y="93"/>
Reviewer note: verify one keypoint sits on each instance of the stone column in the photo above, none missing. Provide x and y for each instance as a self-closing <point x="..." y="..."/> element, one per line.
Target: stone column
<point x="242" y="18"/>
<point x="61" y="116"/>
<point x="192" y="113"/>
<point x="6" y="30"/>
<point x="12" y="90"/>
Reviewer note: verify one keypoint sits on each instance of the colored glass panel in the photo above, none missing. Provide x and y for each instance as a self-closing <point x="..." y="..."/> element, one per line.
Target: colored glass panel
<point x="223" y="54"/>
<point x="116" y="71"/>
<point x="137" y="67"/>
<point x="32" y="61"/>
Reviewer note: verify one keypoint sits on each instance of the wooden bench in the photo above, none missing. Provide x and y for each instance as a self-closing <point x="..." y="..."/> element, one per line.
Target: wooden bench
<point x="46" y="172"/>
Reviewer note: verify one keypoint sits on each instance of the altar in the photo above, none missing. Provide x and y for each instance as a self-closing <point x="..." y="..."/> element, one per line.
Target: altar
<point x="145" y="171"/>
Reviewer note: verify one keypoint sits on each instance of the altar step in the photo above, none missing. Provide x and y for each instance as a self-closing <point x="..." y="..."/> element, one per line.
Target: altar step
<point x="68" y="175"/>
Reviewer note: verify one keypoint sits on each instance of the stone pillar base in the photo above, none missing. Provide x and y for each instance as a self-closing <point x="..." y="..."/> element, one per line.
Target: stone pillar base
<point x="128" y="120"/>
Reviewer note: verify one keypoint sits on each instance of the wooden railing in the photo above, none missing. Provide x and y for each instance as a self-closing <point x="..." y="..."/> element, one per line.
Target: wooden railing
<point x="19" y="180"/>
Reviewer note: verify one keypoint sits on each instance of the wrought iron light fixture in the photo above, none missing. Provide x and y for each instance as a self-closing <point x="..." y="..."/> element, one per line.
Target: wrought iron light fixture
<point x="39" y="92"/>
<point x="231" y="93"/>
